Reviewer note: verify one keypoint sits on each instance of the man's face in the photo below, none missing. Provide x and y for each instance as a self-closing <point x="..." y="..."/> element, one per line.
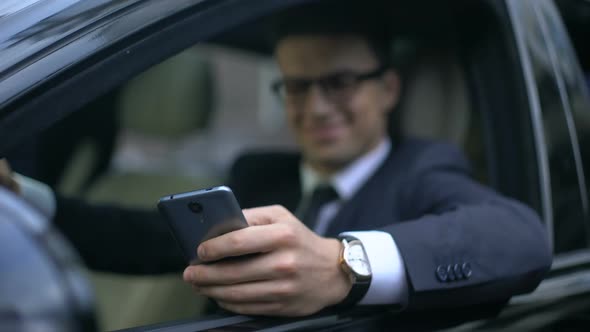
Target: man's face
<point x="345" y="115"/>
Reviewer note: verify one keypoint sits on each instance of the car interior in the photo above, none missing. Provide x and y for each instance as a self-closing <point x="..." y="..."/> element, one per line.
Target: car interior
<point x="179" y="125"/>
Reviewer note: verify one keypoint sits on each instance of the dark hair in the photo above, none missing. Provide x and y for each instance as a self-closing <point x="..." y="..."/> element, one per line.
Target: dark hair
<point x="367" y="20"/>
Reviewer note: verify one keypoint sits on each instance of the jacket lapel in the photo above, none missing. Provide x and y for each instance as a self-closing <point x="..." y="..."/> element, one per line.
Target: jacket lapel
<point x="366" y="209"/>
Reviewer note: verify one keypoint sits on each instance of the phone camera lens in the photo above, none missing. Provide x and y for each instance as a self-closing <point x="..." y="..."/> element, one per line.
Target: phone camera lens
<point x="195" y="207"/>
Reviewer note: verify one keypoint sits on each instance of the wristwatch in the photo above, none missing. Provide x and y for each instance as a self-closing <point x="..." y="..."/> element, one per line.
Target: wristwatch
<point x="355" y="263"/>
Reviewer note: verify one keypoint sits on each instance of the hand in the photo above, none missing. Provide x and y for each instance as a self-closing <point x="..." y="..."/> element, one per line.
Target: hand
<point x="6" y="178"/>
<point x="294" y="272"/>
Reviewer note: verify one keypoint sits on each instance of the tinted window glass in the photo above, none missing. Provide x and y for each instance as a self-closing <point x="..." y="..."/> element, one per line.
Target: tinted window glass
<point x="568" y="202"/>
<point x="575" y="84"/>
<point x="576" y="16"/>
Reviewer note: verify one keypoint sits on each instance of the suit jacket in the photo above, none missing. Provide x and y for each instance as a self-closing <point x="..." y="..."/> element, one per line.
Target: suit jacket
<point x="461" y="242"/>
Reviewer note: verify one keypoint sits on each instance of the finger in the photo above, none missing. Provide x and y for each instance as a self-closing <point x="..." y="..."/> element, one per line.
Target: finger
<point x="5" y="167"/>
<point x="6" y="182"/>
<point x="266" y="215"/>
<point x="225" y="273"/>
<point x="258" y="268"/>
<point x="252" y="292"/>
<point x="249" y="240"/>
<point x="6" y="179"/>
<point x="272" y="308"/>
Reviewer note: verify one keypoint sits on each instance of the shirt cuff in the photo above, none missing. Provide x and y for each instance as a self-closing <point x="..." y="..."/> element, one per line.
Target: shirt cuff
<point x="388" y="283"/>
<point x="37" y="194"/>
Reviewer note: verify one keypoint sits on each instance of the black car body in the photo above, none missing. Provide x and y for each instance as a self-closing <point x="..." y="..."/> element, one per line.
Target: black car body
<point x="519" y="69"/>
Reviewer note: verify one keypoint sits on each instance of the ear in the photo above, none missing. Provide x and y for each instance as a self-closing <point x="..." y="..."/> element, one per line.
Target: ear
<point x="391" y="89"/>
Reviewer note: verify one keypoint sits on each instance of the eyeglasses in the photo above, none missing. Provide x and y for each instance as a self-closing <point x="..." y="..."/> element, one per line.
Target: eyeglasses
<point x="337" y="87"/>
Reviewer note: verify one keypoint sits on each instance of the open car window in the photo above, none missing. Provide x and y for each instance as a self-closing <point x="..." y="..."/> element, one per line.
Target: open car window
<point x="179" y="124"/>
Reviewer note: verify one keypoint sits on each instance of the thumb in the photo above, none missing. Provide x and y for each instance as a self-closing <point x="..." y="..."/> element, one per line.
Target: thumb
<point x="5" y="167"/>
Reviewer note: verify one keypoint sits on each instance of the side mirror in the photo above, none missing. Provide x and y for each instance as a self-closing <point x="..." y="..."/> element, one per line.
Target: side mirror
<point x="42" y="286"/>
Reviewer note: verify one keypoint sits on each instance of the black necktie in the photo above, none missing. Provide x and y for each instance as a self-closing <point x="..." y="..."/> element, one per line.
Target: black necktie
<point x="321" y="195"/>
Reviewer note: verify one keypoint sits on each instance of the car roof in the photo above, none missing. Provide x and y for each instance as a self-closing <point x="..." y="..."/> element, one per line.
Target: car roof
<point x="36" y="37"/>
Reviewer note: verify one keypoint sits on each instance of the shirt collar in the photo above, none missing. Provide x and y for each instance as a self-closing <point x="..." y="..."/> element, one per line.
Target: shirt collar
<point x="350" y="179"/>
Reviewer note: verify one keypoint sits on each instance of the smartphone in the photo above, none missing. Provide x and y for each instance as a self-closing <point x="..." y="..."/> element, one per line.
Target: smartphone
<point x="197" y="216"/>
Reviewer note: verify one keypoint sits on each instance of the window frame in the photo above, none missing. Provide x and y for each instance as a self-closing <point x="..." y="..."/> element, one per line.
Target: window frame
<point x="536" y="111"/>
<point x="551" y="41"/>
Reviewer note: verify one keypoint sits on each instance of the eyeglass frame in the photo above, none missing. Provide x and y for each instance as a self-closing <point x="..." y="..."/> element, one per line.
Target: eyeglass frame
<point x="321" y="81"/>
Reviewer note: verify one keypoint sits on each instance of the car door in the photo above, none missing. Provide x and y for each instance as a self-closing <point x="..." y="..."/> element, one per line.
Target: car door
<point x="560" y="113"/>
<point x="514" y="81"/>
<point x="558" y="110"/>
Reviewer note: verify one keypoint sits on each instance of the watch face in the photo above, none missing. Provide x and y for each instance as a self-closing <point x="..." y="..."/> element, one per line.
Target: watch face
<point x="357" y="260"/>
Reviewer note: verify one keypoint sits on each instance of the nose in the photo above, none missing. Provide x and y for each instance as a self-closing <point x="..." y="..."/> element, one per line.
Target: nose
<point x="316" y="102"/>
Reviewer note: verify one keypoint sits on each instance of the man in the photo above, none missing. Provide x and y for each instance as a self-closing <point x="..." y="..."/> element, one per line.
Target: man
<point x="435" y="234"/>
<point x="397" y="223"/>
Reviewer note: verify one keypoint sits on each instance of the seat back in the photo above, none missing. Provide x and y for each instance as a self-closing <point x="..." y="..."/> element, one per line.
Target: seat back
<point x="435" y="103"/>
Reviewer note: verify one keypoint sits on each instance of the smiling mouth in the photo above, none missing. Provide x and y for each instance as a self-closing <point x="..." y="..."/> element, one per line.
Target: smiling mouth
<point x="325" y="133"/>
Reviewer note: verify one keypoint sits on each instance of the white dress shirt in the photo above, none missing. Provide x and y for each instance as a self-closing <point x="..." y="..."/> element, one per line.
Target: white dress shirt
<point x="388" y="284"/>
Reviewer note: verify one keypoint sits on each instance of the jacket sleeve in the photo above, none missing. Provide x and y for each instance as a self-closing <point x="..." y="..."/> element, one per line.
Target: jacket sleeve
<point x="462" y="243"/>
<point x="119" y="240"/>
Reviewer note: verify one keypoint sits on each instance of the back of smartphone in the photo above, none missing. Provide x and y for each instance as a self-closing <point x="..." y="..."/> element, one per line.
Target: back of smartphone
<point x="200" y="215"/>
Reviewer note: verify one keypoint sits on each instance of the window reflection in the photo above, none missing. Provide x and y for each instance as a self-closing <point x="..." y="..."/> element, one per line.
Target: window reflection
<point x="568" y="203"/>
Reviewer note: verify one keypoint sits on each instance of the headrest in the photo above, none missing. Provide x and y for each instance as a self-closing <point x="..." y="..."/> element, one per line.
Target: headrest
<point x="170" y="99"/>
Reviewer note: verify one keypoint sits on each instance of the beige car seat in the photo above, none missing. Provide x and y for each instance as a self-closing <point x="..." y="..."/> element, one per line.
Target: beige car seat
<point x="436" y="105"/>
<point x="158" y="109"/>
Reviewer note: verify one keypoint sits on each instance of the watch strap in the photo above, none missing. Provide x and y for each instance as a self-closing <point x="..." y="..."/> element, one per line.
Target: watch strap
<point x="357" y="292"/>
